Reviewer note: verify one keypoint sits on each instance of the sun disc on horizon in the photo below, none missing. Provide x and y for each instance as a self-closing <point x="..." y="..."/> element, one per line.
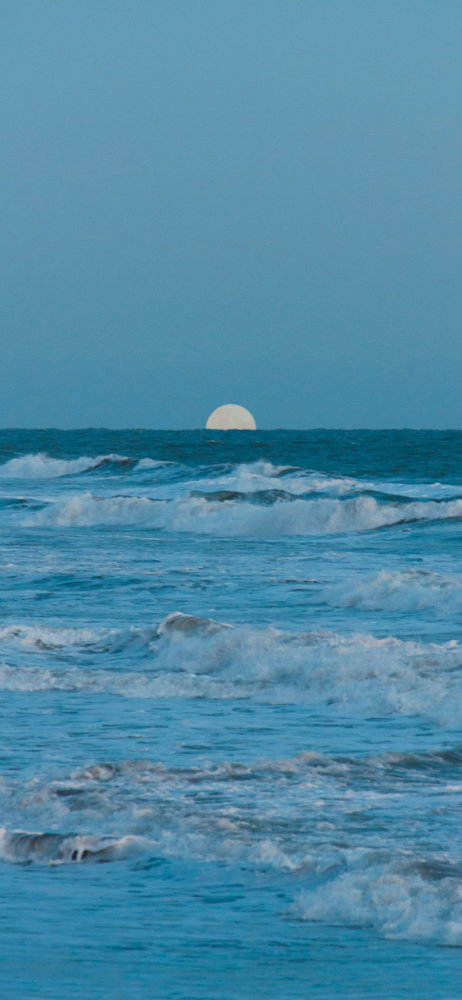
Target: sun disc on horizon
<point x="231" y="418"/>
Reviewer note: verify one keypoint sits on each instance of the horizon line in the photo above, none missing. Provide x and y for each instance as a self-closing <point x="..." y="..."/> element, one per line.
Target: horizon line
<point x="208" y="431"/>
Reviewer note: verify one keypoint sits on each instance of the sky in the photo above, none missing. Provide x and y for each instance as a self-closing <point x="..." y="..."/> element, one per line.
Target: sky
<point x="247" y="201"/>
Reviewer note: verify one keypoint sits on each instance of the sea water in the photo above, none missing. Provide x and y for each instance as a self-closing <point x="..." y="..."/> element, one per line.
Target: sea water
<point x="231" y="696"/>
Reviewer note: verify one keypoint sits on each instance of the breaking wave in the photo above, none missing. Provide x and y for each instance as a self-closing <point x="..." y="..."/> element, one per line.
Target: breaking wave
<point x="59" y="848"/>
<point x="190" y="657"/>
<point x="398" y="591"/>
<point x="49" y="638"/>
<point x="228" y="518"/>
<point x="400" y="896"/>
<point x="245" y="478"/>
<point x="260" y="477"/>
<point x="225" y="812"/>
<point x="41" y="466"/>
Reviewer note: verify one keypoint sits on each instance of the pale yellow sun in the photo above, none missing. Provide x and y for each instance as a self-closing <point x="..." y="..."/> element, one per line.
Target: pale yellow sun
<point x="231" y="417"/>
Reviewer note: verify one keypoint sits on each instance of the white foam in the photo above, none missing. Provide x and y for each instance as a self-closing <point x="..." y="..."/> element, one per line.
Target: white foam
<point x="150" y="463"/>
<point x="297" y="815"/>
<point x="390" y="895"/>
<point x="47" y="637"/>
<point x="356" y="674"/>
<point x="419" y="491"/>
<point x="228" y="518"/>
<point x="263" y="476"/>
<point x="41" y="466"/>
<point x="398" y="590"/>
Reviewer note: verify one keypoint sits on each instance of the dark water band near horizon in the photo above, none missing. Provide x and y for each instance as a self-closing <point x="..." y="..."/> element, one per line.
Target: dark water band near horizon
<point x="231" y="701"/>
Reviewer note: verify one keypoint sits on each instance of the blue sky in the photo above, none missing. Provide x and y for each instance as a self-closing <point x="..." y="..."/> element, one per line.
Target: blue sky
<point x="254" y="202"/>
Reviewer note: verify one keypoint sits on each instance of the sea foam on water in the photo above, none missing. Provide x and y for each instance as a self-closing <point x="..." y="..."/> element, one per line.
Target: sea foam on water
<point x="230" y="681"/>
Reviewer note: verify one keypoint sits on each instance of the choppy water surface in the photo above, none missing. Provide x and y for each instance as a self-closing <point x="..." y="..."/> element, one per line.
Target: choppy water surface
<point x="231" y="692"/>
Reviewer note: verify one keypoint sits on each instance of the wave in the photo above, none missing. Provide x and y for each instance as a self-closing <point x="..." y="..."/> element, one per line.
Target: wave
<point x="41" y="466"/>
<point x="49" y="638"/>
<point x="46" y="637"/>
<point x="227" y="518"/>
<point x="299" y="816"/>
<point x="178" y="622"/>
<point x="261" y="476"/>
<point x="190" y="657"/>
<point x="58" y="848"/>
<point x="153" y="464"/>
<point x="242" y="478"/>
<point x="398" y="591"/>
<point x="383" y="768"/>
<point x="400" y="896"/>
<point x="428" y="761"/>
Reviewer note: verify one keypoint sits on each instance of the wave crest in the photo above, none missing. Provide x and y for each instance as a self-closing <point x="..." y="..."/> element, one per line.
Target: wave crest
<point x="398" y="591"/>
<point x="191" y="657"/>
<point x="59" y="848"/>
<point x="42" y="466"/>
<point x="400" y="897"/>
<point x="226" y="518"/>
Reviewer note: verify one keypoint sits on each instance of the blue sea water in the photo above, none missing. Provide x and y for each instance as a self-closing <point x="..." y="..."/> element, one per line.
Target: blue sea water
<point x="231" y="695"/>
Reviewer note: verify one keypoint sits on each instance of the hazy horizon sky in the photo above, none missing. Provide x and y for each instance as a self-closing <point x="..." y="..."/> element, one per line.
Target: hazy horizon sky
<point x="208" y="202"/>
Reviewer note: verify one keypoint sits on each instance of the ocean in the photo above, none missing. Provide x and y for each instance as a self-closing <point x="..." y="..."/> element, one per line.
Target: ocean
<point x="231" y="696"/>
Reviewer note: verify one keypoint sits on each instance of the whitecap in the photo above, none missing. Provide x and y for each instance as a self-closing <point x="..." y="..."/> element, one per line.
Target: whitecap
<point x="42" y="466"/>
<point x="190" y="657"/>
<point x="396" y="895"/>
<point x="230" y="519"/>
<point x="398" y="591"/>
